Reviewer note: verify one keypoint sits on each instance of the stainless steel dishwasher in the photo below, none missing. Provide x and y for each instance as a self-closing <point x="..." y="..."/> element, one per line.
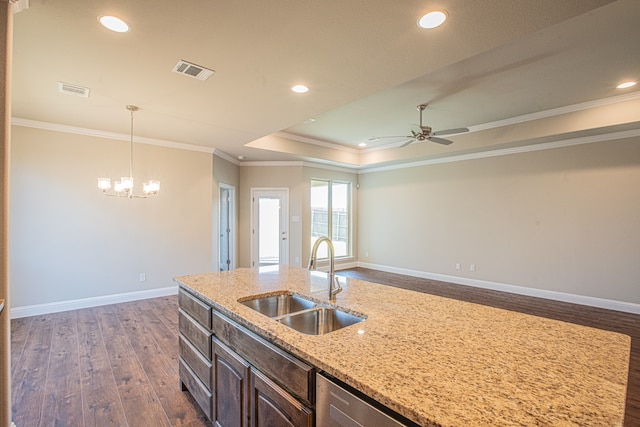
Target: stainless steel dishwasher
<point x="337" y="407"/>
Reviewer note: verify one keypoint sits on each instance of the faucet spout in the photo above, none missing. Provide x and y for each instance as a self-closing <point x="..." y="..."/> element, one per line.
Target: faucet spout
<point x="334" y="283"/>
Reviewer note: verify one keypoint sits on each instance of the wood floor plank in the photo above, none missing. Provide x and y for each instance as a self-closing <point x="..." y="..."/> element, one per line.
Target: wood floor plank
<point x="102" y="407"/>
<point x="19" y="333"/>
<point x="159" y="367"/>
<point x="169" y="317"/>
<point x="139" y="401"/>
<point x="93" y="359"/>
<point x="162" y="335"/>
<point x="63" y="359"/>
<point x="63" y="402"/>
<point x="30" y="376"/>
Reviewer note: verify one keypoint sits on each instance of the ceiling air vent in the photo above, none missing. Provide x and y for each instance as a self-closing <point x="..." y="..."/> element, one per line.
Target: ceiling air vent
<point x="192" y="70"/>
<point x="76" y="90"/>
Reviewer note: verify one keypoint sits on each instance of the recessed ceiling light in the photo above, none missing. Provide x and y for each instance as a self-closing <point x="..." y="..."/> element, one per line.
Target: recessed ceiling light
<point x="114" y="24"/>
<point x="309" y="120"/>
<point x="626" y="85"/>
<point x="362" y="144"/>
<point x="432" y="19"/>
<point x="241" y="157"/>
<point x="300" y="89"/>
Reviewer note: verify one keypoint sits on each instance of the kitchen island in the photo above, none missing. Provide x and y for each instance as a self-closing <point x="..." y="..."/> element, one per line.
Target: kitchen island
<point x="438" y="361"/>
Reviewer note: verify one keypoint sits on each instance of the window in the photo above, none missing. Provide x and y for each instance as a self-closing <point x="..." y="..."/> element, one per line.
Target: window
<point x="330" y="210"/>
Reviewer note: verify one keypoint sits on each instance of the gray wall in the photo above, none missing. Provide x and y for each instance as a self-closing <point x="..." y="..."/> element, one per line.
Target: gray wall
<point x="70" y="242"/>
<point x="564" y="219"/>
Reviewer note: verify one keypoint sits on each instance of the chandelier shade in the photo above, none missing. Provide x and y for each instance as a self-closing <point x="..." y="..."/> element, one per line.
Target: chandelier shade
<point x="124" y="187"/>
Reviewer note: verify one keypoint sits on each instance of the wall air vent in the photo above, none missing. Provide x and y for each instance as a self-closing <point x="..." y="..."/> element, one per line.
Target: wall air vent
<point x="76" y="90"/>
<point x="192" y="70"/>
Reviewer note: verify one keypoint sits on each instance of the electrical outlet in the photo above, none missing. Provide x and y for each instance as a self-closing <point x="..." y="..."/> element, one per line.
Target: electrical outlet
<point x="472" y="267"/>
<point x="143" y="277"/>
<point x="457" y="266"/>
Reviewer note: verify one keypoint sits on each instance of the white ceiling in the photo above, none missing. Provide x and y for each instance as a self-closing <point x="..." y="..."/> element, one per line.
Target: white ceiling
<point x="366" y="62"/>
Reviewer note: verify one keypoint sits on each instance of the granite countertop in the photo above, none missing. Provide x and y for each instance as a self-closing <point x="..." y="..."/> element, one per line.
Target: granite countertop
<point x="440" y="361"/>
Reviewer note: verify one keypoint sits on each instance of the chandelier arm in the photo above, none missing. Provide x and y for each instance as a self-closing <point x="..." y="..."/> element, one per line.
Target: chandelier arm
<point x="131" y="147"/>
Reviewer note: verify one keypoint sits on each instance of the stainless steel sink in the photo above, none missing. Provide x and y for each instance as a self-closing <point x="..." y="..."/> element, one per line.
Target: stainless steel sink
<point x="302" y="314"/>
<point x="278" y="305"/>
<point x="320" y="320"/>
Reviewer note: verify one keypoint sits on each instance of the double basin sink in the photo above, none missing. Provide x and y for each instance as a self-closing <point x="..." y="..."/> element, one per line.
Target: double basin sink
<point x="302" y="314"/>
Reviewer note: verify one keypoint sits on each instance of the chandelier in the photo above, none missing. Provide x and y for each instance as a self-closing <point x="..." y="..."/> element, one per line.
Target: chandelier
<point x="124" y="187"/>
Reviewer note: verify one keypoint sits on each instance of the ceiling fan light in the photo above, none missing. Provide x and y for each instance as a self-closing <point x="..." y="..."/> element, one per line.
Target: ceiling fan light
<point x="114" y="24"/>
<point x="432" y="19"/>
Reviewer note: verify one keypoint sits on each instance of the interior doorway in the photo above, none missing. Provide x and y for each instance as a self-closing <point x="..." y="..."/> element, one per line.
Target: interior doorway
<point x="270" y="226"/>
<point x="226" y="227"/>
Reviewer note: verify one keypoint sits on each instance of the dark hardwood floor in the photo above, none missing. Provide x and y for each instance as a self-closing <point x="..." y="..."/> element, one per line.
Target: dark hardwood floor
<point x="117" y="365"/>
<point x="114" y="365"/>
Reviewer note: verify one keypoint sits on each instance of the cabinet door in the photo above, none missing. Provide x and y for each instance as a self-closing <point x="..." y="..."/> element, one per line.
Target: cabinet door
<point x="272" y="406"/>
<point x="230" y="381"/>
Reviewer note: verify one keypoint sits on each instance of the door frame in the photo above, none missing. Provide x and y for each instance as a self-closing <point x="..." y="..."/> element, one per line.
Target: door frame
<point x="282" y="192"/>
<point x="232" y="223"/>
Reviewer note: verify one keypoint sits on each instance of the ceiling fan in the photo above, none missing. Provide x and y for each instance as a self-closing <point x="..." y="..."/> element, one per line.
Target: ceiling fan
<point x="426" y="134"/>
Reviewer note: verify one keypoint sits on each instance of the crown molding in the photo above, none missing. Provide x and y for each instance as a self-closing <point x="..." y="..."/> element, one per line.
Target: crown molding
<point x="314" y="141"/>
<point x="226" y="157"/>
<point x="18" y="121"/>
<point x="556" y="111"/>
<point x="273" y="163"/>
<point x="350" y="169"/>
<point x="508" y="151"/>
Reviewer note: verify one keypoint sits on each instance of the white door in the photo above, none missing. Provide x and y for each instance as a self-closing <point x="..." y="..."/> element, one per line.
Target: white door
<point x="226" y="227"/>
<point x="270" y="226"/>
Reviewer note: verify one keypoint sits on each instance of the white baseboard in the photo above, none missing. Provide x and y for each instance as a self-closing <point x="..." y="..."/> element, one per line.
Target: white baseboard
<point x="346" y="265"/>
<point x="627" y="307"/>
<point x="55" y="307"/>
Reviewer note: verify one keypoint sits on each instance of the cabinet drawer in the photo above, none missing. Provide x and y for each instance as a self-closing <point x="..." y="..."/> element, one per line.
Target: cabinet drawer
<point x="273" y="406"/>
<point x="199" y="392"/>
<point x="195" y="333"/>
<point x="289" y="372"/>
<point x="198" y="364"/>
<point x="196" y="308"/>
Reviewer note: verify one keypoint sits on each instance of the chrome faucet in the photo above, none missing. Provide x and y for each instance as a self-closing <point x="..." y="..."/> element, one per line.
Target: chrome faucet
<point x="334" y="283"/>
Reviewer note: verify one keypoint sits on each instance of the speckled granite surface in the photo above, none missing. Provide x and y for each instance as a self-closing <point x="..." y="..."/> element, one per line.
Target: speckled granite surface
<point x="440" y="361"/>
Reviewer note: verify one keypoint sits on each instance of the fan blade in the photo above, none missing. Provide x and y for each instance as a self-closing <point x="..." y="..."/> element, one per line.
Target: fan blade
<point x="411" y="141"/>
<point x="394" y="136"/>
<point x="439" y="140"/>
<point x="451" y="131"/>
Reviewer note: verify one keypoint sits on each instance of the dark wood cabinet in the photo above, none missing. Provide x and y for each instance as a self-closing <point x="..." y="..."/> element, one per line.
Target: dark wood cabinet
<point x="194" y="323"/>
<point x="230" y="380"/>
<point x="238" y="378"/>
<point x="272" y="406"/>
